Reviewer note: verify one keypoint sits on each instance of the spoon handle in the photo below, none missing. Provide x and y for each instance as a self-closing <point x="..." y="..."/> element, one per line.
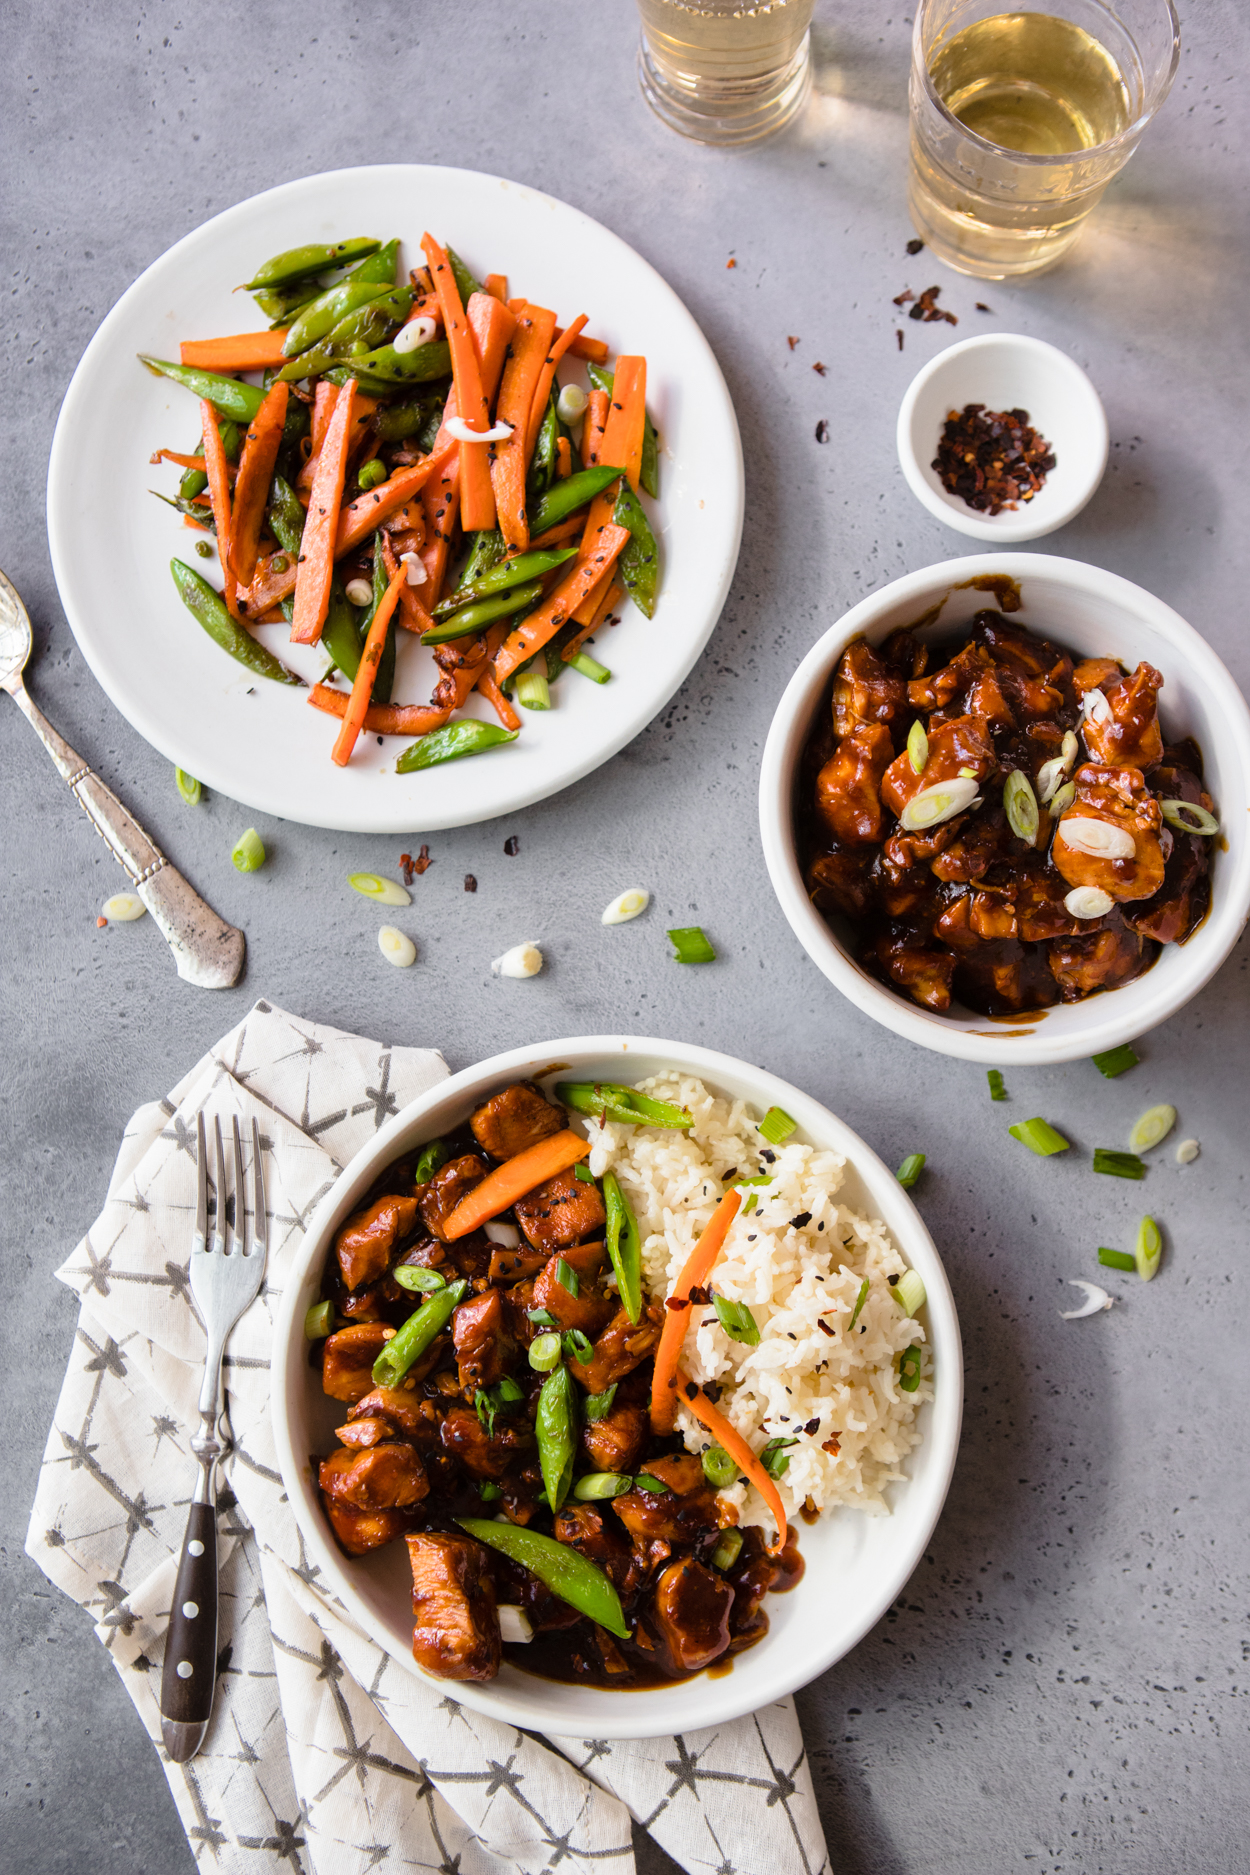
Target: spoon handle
<point x="208" y="951"/>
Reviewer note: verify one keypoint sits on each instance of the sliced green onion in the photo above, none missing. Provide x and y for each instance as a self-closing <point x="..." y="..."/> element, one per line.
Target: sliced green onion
<point x="488" y="1492"/>
<point x="583" y="1173"/>
<point x="653" y="1486"/>
<point x="692" y="945"/>
<point x="718" y="1468"/>
<point x="381" y="891"/>
<point x="777" y="1126"/>
<point x="942" y="801"/>
<point x="416" y="1276"/>
<point x="319" y="1321"/>
<point x="750" y="1204"/>
<point x="1154" y="1125"/>
<point x="371" y="473"/>
<point x="188" y="787"/>
<point x="1020" y="805"/>
<point x="917" y="747"/>
<point x="541" y="1318"/>
<point x="544" y="1353"/>
<point x="598" y="1405"/>
<point x="624" y="1245"/>
<point x="605" y="1100"/>
<point x="774" y="1457"/>
<point x="909" y="1292"/>
<point x="600" y="1484"/>
<point x="533" y="692"/>
<point x="1116" y="1061"/>
<point x="577" y="1346"/>
<point x="432" y="1156"/>
<point x="728" y="1550"/>
<point x="909" y="1369"/>
<point x="737" y="1321"/>
<point x="583" y="662"/>
<point x="470" y="736"/>
<point x="566" y="1276"/>
<point x="1116" y="1259"/>
<point x="910" y="1170"/>
<point x="1188" y="817"/>
<point x="1040" y="1137"/>
<point x="1149" y="1248"/>
<point x="1118" y="1164"/>
<point x="997" y="1089"/>
<point x="860" y="1300"/>
<point x="248" y="851"/>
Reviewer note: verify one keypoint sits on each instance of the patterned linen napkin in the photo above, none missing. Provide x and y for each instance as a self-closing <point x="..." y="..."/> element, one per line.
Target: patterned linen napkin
<point x="324" y="1754"/>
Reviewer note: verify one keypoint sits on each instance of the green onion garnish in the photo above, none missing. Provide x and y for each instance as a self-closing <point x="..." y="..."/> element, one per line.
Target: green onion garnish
<point x="1154" y="1125"/>
<point x="718" y="1468"/>
<point x="583" y="1174"/>
<point x="1040" y="1137"/>
<point x="728" y="1550"/>
<point x="1020" y="805"/>
<point x="319" y="1321"/>
<point x="601" y="1484"/>
<point x="432" y="1156"/>
<point x="1118" y="1164"/>
<point x="533" y="692"/>
<point x="860" y="1300"/>
<point x="691" y="945"/>
<point x="598" y="1405"/>
<point x="1116" y="1061"/>
<point x="737" y="1321"/>
<point x="416" y="1276"/>
<point x="774" y="1459"/>
<point x="909" y="1292"/>
<point x="577" y="1346"/>
<point x="187" y="786"/>
<point x="917" y="747"/>
<point x="248" y="852"/>
<point x="1149" y="1248"/>
<point x="645" y="1482"/>
<point x="909" y="1369"/>
<point x="381" y="891"/>
<point x="541" y="1318"/>
<point x="1116" y="1260"/>
<point x="583" y="662"/>
<point x="910" y="1170"/>
<point x="1188" y="817"/>
<point x="997" y="1090"/>
<point x="544" y="1353"/>
<point x="488" y="1492"/>
<point x="777" y="1126"/>
<point x="566" y="1276"/>
<point x="750" y="1204"/>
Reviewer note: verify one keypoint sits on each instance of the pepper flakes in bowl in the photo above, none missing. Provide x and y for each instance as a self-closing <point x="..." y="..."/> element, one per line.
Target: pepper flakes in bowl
<point x="992" y="459"/>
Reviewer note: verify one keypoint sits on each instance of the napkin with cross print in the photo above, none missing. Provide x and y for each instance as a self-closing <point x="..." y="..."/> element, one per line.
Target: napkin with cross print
<point x="325" y="1755"/>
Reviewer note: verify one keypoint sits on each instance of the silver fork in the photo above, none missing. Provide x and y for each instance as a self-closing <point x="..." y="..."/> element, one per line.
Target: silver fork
<point x="224" y="1282"/>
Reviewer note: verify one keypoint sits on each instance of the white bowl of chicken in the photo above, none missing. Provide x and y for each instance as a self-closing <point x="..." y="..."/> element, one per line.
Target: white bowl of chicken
<point x="1003" y="804"/>
<point x="576" y="1504"/>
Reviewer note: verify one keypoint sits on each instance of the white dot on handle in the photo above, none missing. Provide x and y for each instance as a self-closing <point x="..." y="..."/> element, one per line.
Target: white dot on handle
<point x="190" y="1610"/>
<point x="185" y="1669"/>
<point x="195" y="1547"/>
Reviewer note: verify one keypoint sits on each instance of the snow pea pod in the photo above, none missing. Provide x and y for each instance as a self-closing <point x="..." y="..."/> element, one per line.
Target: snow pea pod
<point x="281" y="307"/>
<point x="240" y="402"/>
<point x="302" y="263"/>
<point x="624" y="1246"/>
<point x="194" y="481"/>
<point x="285" y="515"/>
<point x="465" y="283"/>
<point x="555" y="1427"/>
<point x="419" y="367"/>
<point x="396" y="421"/>
<point x="208" y="608"/>
<point x="470" y="737"/>
<point x="416" y="1335"/>
<point x="367" y="385"/>
<point x="364" y="325"/>
<point x="518" y="572"/>
<point x="565" y="1571"/>
<point x="649" y="471"/>
<point x="197" y="512"/>
<point x="569" y="495"/>
<point x="543" y="462"/>
<point x="639" y="564"/>
<point x="474" y="617"/>
<point x="340" y="634"/>
<point x="322" y="314"/>
<point x="606" y="1100"/>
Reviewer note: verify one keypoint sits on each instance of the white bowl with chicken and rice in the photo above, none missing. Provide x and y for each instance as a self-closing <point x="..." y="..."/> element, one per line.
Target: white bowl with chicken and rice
<point x="1067" y="969"/>
<point x="821" y="1344"/>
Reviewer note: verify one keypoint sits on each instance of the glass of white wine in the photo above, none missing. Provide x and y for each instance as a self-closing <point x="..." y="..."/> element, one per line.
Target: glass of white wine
<point x="725" y="71"/>
<point x="1020" y="119"/>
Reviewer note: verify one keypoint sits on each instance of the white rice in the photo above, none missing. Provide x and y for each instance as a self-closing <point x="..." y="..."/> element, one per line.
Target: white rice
<point x="793" y="1277"/>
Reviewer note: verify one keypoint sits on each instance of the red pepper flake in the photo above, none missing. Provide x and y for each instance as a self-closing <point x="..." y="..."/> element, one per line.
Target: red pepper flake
<point x="512" y="846"/>
<point x="927" y="308"/>
<point x="914" y="245"/>
<point x="700" y="1295"/>
<point x="100" y="923"/>
<point x="470" y="883"/>
<point x="823" y="370"/>
<point x="898" y="333"/>
<point x="982" y="307"/>
<point x="823" y="1325"/>
<point x="677" y="1303"/>
<point x="813" y="1425"/>
<point x="901" y="299"/>
<point x="822" y="431"/>
<point x="994" y="459"/>
<point x="833" y="1446"/>
<point x="791" y="343"/>
<point x="731" y="263"/>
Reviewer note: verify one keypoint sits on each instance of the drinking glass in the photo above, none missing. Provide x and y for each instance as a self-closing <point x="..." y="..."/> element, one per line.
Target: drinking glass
<point x="1020" y="119"/>
<point x="722" y="71"/>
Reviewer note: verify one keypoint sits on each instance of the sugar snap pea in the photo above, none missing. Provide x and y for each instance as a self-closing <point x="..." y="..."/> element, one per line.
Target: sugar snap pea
<point x="364" y="325"/>
<point x="340" y="634"/>
<point x="624" y="1246"/>
<point x="420" y="367"/>
<point x="208" y="608"/>
<point x="486" y="551"/>
<point x="396" y="421"/>
<point x="416" y="1335"/>
<point x="200" y="514"/>
<point x="649" y="472"/>
<point x="639" y="564"/>
<point x="233" y="399"/>
<point x="303" y="263"/>
<point x="518" y="572"/>
<point x="555" y="1427"/>
<point x="604" y="1099"/>
<point x="569" y="495"/>
<point x="474" y="618"/>
<point x="465" y="283"/>
<point x="562" y="1569"/>
<point x="469" y="737"/>
<point x="322" y="314"/>
<point x="285" y="515"/>
<point x="543" y="461"/>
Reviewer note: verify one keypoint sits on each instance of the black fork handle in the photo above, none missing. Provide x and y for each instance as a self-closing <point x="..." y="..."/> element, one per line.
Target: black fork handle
<point x="190" y="1673"/>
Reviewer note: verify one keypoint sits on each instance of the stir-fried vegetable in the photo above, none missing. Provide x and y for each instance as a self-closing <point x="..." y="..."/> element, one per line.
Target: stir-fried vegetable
<point x="567" y="1573"/>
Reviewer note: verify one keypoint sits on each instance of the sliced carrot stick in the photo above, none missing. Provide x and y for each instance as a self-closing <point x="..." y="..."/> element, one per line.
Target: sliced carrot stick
<point x="171" y="455"/>
<point x="426" y="306"/>
<point x="439" y="501"/>
<point x="743" y="1457"/>
<point x="315" y="566"/>
<point x="516" y="305"/>
<point x="381" y="719"/>
<point x="246" y="351"/>
<point x="563" y="530"/>
<point x="215" y="467"/>
<point x="612" y="594"/>
<point x="542" y="390"/>
<point x="477" y="501"/>
<point x="530" y="345"/>
<point x="412" y="614"/>
<point x="597" y="406"/>
<point x="559" y="606"/>
<point x="486" y="683"/>
<point x="564" y="458"/>
<point x="697" y="1267"/>
<point x="500" y="1189"/>
<point x="496" y="285"/>
<point x="593" y="349"/>
<point x="362" y="689"/>
<point x="324" y="399"/>
<point x="492" y="326"/>
<point x="251" y="489"/>
<point x="627" y="418"/>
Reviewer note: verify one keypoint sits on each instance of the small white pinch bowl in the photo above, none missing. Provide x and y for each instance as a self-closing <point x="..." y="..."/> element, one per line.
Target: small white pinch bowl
<point x="1007" y="371"/>
<point x="1089" y="612"/>
<point x="855" y="1565"/>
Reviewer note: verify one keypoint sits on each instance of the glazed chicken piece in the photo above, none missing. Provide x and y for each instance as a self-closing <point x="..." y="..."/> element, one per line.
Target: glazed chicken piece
<point x="617" y="1441"/>
<point x="359" y="1531"/>
<point x="1015" y="648"/>
<point x="691" y="1608"/>
<point x="364" y="1245"/>
<point x="518" y="1117"/>
<point x="360" y="1433"/>
<point x="987" y="701"/>
<point x="347" y="1369"/>
<point x="1171" y="913"/>
<point x="561" y="1212"/>
<point x="485" y="1455"/>
<point x="837" y="881"/>
<point x="905" y="653"/>
<point x="455" y="1622"/>
<point x="969" y="856"/>
<point x="1119" y="798"/>
<point x="513" y="1266"/>
<point x="940" y="688"/>
<point x="1130" y="736"/>
<point x="589" y="1531"/>
<point x="992" y="912"/>
<point x="448" y="1186"/>
<point x="485" y="1349"/>
<point x="681" y="1514"/>
<point x="958" y="743"/>
<point x="1041" y="912"/>
<point x="865" y="689"/>
<point x="621" y="1347"/>
<point x="381" y="1477"/>
<point x="374" y="1303"/>
<point x="411" y="1416"/>
<point x="1110" y="957"/>
<point x="589" y="1309"/>
<point x="902" y="850"/>
<point x="848" y="787"/>
<point x="923" y="972"/>
<point x="1093" y="673"/>
<point x="1000" y="977"/>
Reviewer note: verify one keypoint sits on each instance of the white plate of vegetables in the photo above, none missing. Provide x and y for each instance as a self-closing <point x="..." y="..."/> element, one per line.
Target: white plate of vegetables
<point x="354" y="525"/>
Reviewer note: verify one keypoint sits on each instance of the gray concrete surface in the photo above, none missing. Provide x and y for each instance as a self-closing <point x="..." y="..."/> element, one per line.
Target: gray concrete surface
<point x="1063" y="1686"/>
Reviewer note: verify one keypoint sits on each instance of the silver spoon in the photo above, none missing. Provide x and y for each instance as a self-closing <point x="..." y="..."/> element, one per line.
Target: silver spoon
<point x="208" y="951"/>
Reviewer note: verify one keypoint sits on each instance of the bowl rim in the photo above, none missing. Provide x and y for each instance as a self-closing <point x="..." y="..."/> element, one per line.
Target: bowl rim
<point x="1005" y="528"/>
<point x="700" y="1701"/>
<point x="1205" y="952"/>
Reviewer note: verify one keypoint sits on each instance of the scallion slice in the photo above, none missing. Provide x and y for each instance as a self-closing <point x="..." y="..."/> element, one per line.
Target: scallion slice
<point x="1116" y="1259"/>
<point x="1040" y="1137"/>
<point x="1116" y="1061"/>
<point x="692" y="945"/>
<point x="415" y="1276"/>
<point x="319" y="1321"/>
<point x="488" y="1492"/>
<point x="910" y="1170"/>
<point x="777" y="1126"/>
<point x="909" y="1292"/>
<point x="583" y="662"/>
<point x="541" y="1318"/>
<point x="1118" y="1164"/>
<point x="774" y="1457"/>
<point x="533" y="692"/>
<point x="583" y="1174"/>
<point x="248" y="851"/>
<point x="917" y="747"/>
<point x="718" y="1468"/>
<point x="1188" y="817"/>
<point x="566" y="1276"/>
<point x="860" y="1300"/>
<point x="909" y="1369"/>
<point x="737" y="1321"/>
<point x="544" y="1353"/>
<point x="1154" y="1125"/>
<point x="1149" y="1248"/>
<point x="752" y="1200"/>
<point x="600" y="1484"/>
<point x="381" y="891"/>
<point x="576" y="1345"/>
<point x="187" y="786"/>
<point x="653" y="1486"/>
<point x="1020" y="805"/>
<point x="728" y="1550"/>
<point x="997" y="1089"/>
<point x="432" y="1156"/>
<point x="598" y="1405"/>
